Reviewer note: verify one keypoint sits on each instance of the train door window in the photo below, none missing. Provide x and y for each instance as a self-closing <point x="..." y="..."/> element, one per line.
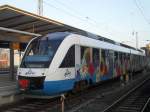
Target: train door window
<point x="103" y="68"/>
<point x="139" y="60"/>
<point x="124" y="57"/>
<point x="103" y="56"/>
<point x="116" y="56"/>
<point x="69" y="60"/>
<point x="136" y="62"/>
<point x="131" y="60"/>
<point x="120" y="58"/>
<point x="96" y="63"/>
<point x="124" y="63"/>
<point x="116" y="60"/>
<point x="120" y="63"/>
<point x="135" y="59"/>
<point x="111" y="54"/>
<point x="85" y="56"/>
<point x="111" y="61"/>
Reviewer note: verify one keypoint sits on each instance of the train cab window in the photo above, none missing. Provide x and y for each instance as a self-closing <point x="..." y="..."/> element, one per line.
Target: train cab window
<point x="41" y="50"/>
<point x="69" y="60"/>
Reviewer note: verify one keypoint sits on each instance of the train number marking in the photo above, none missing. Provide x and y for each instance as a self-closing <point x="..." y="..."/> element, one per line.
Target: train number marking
<point x="67" y="73"/>
<point x="29" y="72"/>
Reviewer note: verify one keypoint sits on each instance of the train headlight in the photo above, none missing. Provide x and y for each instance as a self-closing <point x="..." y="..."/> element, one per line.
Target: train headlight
<point x="24" y="84"/>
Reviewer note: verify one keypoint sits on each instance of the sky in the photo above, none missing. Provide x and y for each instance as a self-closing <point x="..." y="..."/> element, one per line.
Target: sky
<point x="113" y="19"/>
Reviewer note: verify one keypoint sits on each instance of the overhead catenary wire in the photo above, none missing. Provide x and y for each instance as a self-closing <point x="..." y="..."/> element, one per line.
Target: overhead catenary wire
<point x="76" y="14"/>
<point x="85" y="19"/>
<point x="69" y="8"/>
<point x="62" y="10"/>
<point x="139" y="6"/>
<point x="65" y="12"/>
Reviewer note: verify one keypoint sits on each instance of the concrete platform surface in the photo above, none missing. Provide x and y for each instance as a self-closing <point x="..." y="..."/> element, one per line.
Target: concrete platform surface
<point x="8" y="89"/>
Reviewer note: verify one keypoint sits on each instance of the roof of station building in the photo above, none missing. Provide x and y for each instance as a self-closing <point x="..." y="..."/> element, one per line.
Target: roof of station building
<point x="12" y="18"/>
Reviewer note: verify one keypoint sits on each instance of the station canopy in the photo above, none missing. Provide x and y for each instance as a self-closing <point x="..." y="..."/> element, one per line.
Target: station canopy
<point x="17" y="25"/>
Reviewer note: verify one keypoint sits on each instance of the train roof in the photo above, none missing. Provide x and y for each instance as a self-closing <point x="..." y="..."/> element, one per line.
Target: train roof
<point x="97" y="37"/>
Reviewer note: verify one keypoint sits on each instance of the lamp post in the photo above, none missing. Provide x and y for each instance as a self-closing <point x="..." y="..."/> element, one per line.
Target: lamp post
<point x="136" y="37"/>
<point x="148" y="48"/>
<point x="40" y="7"/>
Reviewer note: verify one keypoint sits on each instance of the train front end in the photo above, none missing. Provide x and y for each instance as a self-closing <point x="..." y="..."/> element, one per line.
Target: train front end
<point x="35" y="65"/>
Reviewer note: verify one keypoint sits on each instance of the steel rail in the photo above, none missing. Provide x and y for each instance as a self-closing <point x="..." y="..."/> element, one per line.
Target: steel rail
<point x="109" y="108"/>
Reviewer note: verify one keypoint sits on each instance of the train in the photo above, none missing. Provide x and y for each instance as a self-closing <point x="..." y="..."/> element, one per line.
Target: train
<point x="64" y="61"/>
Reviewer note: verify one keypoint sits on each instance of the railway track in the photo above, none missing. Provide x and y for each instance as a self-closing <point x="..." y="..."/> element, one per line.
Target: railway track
<point x="71" y="102"/>
<point x="54" y="105"/>
<point x="136" y="100"/>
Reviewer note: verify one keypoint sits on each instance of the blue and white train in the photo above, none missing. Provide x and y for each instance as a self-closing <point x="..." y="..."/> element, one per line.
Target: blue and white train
<point x="63" y="61"/>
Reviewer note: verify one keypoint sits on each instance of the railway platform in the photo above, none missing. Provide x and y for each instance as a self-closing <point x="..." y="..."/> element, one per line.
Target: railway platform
<point x="8" y="88"/>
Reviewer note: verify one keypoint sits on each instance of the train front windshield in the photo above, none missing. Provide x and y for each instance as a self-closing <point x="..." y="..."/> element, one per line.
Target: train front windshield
<point x="41" y="50"/>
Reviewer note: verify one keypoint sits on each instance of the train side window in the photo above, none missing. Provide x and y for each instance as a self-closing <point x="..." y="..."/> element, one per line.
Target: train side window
<point x="69" y="60"/>
<point x="116" y="59"/>
<point x="116" y="56"/>
<point x="120" y="58"/>
<point x="85" y="55"/>
<point x="96" y="57"/>
<point x="103" y="68"/>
